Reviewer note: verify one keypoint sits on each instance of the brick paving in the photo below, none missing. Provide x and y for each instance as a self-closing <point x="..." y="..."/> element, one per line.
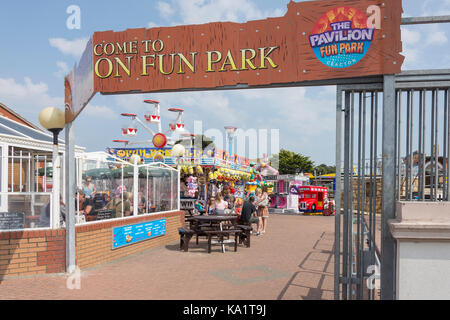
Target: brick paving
<point x="293" y="260"/>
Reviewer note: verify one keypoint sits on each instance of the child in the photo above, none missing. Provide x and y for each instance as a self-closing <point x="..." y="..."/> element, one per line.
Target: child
<point x="198" y="206"/>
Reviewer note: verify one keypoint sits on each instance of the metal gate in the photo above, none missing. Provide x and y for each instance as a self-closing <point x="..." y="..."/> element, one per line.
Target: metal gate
<point x="392" y="143"/>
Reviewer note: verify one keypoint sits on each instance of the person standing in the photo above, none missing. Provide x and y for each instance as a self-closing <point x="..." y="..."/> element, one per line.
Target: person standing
<point x="263" y="208"/>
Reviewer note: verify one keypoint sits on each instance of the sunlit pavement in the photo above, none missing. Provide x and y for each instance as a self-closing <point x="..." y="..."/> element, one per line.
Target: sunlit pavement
<point x="293" y="260"/>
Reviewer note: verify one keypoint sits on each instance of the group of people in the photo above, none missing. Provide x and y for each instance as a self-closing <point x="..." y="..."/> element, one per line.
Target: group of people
<point x="120" y="205"/>
<point x="255" y="210"/>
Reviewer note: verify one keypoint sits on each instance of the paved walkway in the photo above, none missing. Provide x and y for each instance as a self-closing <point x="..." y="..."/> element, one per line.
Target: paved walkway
<point x="292" y="261"/>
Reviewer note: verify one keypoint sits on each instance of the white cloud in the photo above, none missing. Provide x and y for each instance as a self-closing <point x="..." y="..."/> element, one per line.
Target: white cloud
<point x="437" y="38"/>
<point x="201" y="11"/>
<point x="411" y="42"/>
<point x="100" y="111"/>
<point x="410" y="37"/>
<point x="165" y="9"/>
<point x="435" y="7"/>
<point x="33" y="94"/>
<point x="63" y="69"/>
<point x="74" y="48"/>
<point x="27" y="98"/>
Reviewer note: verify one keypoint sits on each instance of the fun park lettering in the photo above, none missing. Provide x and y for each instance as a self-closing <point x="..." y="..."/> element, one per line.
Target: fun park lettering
<point x="116" y="60"/>
<point x="341" y="37"/>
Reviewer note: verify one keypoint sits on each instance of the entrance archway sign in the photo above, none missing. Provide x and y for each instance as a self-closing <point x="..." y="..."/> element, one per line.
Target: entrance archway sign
<point x="315" y="40"/>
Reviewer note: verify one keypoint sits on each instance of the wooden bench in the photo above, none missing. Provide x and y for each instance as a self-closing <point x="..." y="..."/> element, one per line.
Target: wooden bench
<point x="185" y="236"/>
<point x="244" y="236"/>
<point x="220" y="234"/>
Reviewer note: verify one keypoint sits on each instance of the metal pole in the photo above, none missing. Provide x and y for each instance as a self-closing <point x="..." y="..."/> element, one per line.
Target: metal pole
<point x="408" y="147"/>
<point x="432" y="190"/>
<point x="345" y="249"/>
<point x="350" y="221"/>
<point x="358" y="217"/>
<point x="373" y="177"/>
<point x="424" y="141"/>
<point x="135" y="187"/>
<point x="399" y="144"/>
<point x="337" y="196"/>
<point x="448" y="148"/>
<point x="388" y="244"/>
<point x="436" y="148"/>
<point x="444" y="159"/>
<point x="419" y="171"/>
<point x="70" y="198"/>
<point x="56" y="212"/>
<point x="363" y="198"/>
<point x="411" y="151"/>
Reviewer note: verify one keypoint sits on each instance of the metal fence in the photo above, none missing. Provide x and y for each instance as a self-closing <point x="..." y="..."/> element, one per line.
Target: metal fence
<point x="418" y="149"/>
<point x="423" y="120"/>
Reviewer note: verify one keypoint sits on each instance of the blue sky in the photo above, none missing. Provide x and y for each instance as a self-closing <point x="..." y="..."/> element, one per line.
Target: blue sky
<point x="38" y="50"/>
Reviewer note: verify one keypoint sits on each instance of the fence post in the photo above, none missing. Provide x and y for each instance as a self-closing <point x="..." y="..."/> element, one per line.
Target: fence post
<point x="337" y="195"/>
<point x="388" y="245"/>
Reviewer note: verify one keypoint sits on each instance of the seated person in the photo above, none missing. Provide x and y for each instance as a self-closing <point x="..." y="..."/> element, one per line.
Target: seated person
<point x="121" y="208"/>
<point x="219" y="205"/>
<point x="209" y="206"/>
<point x="199" y="207"/>
<point x="248" y="215"/>
<point x="84" y="206"/>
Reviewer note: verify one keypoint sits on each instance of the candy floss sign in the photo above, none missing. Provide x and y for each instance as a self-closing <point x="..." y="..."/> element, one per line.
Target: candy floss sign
<point x="341" y="37"/>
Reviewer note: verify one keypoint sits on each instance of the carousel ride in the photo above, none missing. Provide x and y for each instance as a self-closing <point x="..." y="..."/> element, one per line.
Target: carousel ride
<point x="159" y="139"/>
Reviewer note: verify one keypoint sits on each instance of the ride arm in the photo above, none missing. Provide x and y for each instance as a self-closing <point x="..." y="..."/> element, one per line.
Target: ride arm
<point x="145" y="127"/>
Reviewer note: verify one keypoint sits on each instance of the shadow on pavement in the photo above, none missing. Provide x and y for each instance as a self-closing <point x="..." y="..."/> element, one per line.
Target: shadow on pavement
<point x="315" y="279"/>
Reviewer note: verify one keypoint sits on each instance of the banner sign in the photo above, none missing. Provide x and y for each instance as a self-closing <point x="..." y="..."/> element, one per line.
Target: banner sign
<point x="217" y="157"/>
<point x="315" y="40"/>
<point x="127" y="235"/>
<point x="159" y="154"/>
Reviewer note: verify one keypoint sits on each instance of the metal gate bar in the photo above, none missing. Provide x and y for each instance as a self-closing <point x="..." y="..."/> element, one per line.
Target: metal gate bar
<point x="408" y="173"/>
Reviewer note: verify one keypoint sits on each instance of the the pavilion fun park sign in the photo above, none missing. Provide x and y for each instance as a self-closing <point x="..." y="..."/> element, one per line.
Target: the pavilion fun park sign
<point x="315" y="40"/>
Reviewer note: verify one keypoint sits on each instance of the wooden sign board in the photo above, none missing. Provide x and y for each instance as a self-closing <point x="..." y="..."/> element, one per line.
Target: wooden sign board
<point x="315" y="40"/>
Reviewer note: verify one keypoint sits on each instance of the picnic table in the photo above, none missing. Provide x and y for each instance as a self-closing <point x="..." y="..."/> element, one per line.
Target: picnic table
<point x="215" y="225"/>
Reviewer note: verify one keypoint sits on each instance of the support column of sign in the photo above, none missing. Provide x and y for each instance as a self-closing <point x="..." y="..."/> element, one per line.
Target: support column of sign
<point x="388" y="246"/>
<point x="70" y="198"/>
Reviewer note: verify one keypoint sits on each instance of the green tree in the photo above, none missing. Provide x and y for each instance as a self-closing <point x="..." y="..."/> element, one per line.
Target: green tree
<point x="289" y="162"/>
<point x="324" y="169"/>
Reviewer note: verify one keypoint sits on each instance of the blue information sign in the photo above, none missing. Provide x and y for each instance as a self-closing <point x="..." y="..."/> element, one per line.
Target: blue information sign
<point x="126" y="235"/>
